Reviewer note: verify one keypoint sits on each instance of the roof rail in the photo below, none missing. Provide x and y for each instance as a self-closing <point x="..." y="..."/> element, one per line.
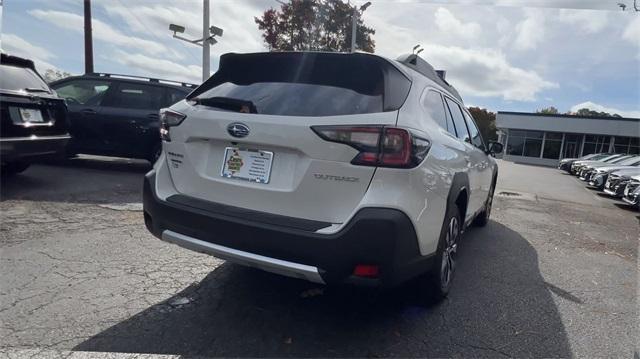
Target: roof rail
<point x="150" y="79"/>
<point x="420" y="65"/>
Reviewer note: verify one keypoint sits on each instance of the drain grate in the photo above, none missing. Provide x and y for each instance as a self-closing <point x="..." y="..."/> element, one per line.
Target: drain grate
<point x="510" y="194"/>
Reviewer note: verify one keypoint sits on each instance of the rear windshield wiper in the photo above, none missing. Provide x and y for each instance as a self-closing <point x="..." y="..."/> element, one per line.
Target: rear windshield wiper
<point x="227" y="103"/>
<point x="34" y="89"/>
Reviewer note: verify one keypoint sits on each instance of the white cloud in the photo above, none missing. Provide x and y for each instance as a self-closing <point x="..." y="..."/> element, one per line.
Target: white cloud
<point x="486" y="73"/>
<point x="449" y="24"/>
<point x="159" y="68"/>
<point x="588" y="21"/>
<point x="600" y="108"/>
<point x="101" y="31"/>
<point x="632" y="31"/>
<point x="241" y="34"/>
<point x="15" y="45"/>
<point x="530" y="32"/>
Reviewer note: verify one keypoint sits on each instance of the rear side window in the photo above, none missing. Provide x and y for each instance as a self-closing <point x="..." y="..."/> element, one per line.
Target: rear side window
<point x="432" y="103"/>
<point x="458" y="120"/>
<point x="304" y="84"/>
<point x="137" y="97"/>
<point x="476" y="138"/>
<point x="83" y="92"/>
<point x="19" y="78"/>
<point x="174" y="95"/>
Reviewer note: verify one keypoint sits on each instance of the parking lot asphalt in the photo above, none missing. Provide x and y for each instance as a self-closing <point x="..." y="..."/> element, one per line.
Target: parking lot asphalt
<point x="551" y="275"/>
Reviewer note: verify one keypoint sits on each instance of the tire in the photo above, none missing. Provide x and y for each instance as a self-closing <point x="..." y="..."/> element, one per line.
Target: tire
<point x="483" y="217"/>
<point x="434" y="285"/>
<point x="13" y="168"/>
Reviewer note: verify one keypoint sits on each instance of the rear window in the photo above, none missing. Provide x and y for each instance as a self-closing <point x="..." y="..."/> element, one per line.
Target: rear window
<point x="303" y="84"/>
<point x="20" y="78"/>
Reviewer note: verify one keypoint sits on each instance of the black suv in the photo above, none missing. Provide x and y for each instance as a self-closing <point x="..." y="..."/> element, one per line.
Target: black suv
<point x="117" y="115"/>
<point x="33" y="118"/>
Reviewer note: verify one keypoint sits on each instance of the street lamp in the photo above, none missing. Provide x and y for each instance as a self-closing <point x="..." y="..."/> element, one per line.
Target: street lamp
<point x="354" y="23"/>
<point x="208" y="38"/>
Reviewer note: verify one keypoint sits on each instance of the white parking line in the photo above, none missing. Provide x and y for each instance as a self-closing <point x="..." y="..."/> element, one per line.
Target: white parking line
<point x="55" y="354"/>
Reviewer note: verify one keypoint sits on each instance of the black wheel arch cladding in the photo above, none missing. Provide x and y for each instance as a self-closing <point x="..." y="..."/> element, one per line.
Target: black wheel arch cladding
<point x="459" y="187"/>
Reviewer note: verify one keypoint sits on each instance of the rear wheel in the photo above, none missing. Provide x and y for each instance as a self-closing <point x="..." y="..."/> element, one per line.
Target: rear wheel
<point x="13" y="168"/>
<point x="434" y="285"/>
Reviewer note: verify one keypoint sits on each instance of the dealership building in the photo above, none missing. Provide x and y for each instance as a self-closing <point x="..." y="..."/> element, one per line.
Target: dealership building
<point x="543" y="139"/>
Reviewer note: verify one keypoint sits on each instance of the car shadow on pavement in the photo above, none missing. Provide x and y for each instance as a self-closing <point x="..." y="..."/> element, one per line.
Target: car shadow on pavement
<point x="78" y="180"/>
<point x="499" y="306"/>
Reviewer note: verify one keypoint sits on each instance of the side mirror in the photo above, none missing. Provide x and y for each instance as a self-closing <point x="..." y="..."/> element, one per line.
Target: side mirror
<point x="495" y="148"/>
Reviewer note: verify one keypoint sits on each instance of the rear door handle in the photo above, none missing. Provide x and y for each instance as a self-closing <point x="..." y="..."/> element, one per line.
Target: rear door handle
<point x="88" y="111"/>
<point x="153" y="116"/>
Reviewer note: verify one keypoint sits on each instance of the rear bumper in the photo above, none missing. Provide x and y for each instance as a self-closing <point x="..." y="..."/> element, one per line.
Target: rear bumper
<point x="26" y="148"/>
<point x="375" y="236"/>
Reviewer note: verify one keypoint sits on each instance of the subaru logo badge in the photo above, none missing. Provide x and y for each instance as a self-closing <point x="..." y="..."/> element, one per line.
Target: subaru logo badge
<point x="238" y="130"/>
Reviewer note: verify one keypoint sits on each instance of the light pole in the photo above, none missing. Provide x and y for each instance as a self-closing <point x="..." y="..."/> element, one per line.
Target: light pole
<point x="208" y="38"/>
<point x="354" y="23"/>
<point x="206" y="48"/>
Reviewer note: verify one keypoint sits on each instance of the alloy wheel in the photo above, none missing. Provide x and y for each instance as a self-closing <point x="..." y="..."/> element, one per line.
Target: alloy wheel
<point x="449" y="253"/>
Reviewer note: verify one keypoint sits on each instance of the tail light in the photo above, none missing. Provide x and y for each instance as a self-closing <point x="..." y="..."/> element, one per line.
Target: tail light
<point x="168" y="119"/>
<point x="380" y="146"/>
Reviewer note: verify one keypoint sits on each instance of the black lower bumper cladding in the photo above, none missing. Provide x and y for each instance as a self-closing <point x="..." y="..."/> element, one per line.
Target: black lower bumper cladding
<point x="24" y="149"/>
<point x="375" y="236"/>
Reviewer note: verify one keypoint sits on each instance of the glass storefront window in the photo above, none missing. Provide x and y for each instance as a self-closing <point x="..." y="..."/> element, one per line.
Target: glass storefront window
<point x="552" y="145"/>
<point x="572" y="144"/>
<point x="525" y="143"/>
<point x="595" y="144"/>
<point x="629" y="145"/>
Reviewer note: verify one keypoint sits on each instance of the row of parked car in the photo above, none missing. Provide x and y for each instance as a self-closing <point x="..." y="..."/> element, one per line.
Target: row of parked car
<point x="617" y="175"/>
<point x="99" y="114"/>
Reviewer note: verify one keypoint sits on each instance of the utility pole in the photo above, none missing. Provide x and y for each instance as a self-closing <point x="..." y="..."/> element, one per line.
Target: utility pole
<point x="206" y="53"/>
<point x="88" y="39"/>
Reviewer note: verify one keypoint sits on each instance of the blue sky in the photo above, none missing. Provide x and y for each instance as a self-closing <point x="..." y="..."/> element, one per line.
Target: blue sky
<point x="499" y="54"/>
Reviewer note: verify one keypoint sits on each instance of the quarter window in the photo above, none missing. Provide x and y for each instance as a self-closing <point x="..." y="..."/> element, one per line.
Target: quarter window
<point x="458" y="120"/>
<point x="434" y="106"/>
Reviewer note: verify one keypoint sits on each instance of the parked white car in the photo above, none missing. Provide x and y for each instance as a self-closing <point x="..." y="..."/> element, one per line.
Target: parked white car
<point x="618" y="180"/>
<point x="334" y="168"/>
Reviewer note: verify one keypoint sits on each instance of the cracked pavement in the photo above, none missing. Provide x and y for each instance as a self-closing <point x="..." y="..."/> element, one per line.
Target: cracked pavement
<point x="546" y="278"/>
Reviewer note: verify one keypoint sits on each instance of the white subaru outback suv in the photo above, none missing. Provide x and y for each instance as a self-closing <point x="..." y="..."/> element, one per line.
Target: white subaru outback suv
<point x="334" y="168"/>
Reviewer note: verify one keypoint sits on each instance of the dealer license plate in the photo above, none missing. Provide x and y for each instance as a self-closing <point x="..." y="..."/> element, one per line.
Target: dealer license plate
<point x="248" y="165"/>
<point x="31" y="115"/>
